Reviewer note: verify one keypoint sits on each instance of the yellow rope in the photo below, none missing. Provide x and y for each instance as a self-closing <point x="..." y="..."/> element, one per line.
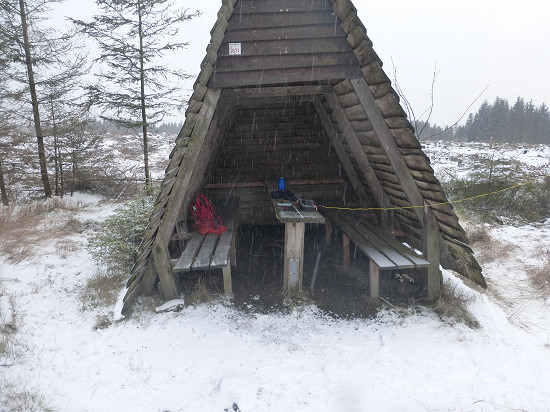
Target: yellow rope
<point x="436" y="204"/>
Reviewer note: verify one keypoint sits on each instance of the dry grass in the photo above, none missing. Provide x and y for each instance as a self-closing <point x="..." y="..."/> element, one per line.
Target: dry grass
<point x="101" y="291"/>
<point x="479" y="234"/>
<point x="452" y="307"/>
<point x="488" y="248"/>
<point x="541" y="279"/>
<point x="200" y="294"/>
<point x="26" y="228"/>
<point x="17" y="398"/>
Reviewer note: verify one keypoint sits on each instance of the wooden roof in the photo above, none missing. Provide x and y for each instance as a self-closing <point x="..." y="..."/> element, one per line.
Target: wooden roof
<point x="309" y="61"/>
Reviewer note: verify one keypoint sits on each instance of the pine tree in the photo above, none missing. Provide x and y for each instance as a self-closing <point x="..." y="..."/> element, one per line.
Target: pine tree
<point x="37" y="58"/>
<point x="134" y="90"/>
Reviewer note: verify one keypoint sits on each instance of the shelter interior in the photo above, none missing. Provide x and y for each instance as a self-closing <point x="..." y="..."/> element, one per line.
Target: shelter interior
<point x="293" y="88"/>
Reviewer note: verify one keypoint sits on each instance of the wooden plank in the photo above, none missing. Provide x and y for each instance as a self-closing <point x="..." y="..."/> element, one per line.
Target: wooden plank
<point x="163" y="265"/>
<point x="284" y="61"/>
<point x="203" y="258"/>
<point x="266" y="20"/>
<point x="388" y="143"/>
<point x="340" y="151"/>
<point x="365" y="246"/>
<point x="186" y="259"/>
<point x="276" y="91"/>
<point x="220" y="258"/>
<point x="356" y="148"/>
<point x="283" y="6"/>
<point x="431" y="249"/>
<point x="227" y="284"/>
<point x="288" y="47"/>
<point x="297" y="32"/>
<point x="401" y="261"/>
<point x="374" y="281"/>
<point x="345" y="250"/>
<point x="397" y="245"/>
<point x="294" y="249"/>
<point x="231" y="185"/>
<point x="281" y="75"/>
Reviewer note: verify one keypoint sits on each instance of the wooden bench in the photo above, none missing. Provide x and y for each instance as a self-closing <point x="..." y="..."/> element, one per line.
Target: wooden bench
<point x="213" y="251"/>
<point x="383" y="251"/>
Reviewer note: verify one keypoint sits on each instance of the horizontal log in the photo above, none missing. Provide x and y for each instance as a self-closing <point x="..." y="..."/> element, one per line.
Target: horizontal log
<point x="266" y="20"/>
<point x="418" y="162"/>
<point x="282" y="6"/>
<point x="281" y="75"/>
<point x="317" y="31"/>
<point x="276" y="60"/>
<point x="374" y="74"/>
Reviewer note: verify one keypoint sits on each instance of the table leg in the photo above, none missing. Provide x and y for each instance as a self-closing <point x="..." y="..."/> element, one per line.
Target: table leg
<point x="345" y="249"/>
<point x="294" y="255"/>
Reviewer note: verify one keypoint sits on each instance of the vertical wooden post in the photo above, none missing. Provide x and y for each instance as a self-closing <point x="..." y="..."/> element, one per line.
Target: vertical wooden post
<point x="227" y="285"/>
<point x="430" y="250"/>
<point x="345" y="249"/>
<point x="294" y="250"/>
<point x="328" y="232"/>
<point x="164" y="268"/>
<point x="374" y="281"/>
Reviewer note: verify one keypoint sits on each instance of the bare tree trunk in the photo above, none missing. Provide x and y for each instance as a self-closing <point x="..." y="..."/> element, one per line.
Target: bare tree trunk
<point x="74" y="173"/>
<point x="61" y="180"/>
<point x="143" y="107"/>
<point x="3" y="191"/>
<point x="55" y="151"/>
<point x="34" y="100"/>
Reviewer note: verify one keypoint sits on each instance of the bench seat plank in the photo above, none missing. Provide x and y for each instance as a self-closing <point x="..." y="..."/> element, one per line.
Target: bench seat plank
<point x="418" y="261"/>
<point x="186" y="259"/>
<point x="202" y="260"/>
<point x="221" y="255"/>
<point x="364" y="245"/>
<point x="400" y="260"/>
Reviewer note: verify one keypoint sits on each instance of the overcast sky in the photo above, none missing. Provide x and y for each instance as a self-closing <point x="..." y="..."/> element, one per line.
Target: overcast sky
<point x="501" y="45"/>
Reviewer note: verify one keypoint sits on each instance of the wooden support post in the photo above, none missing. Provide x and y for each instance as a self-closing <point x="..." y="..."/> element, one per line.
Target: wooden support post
<point x="430" y="250"/>
<point x="227" y="285"/>
<point x="374" y="281"/>
<point x="163" y="264"/>
<point x="345" y="249"/>
<point x="294" y="255"/>
<point x="328" y="233"/>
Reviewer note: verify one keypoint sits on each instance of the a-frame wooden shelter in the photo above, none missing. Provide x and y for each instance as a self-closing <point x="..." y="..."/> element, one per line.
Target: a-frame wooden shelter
<point x="294" y="88"/>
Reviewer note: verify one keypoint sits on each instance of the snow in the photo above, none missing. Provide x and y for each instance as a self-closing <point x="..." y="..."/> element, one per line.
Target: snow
<point x="215" y="357"/>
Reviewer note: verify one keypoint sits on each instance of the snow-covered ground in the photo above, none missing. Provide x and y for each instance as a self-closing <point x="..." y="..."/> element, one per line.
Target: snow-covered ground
<point x="217" y="358"/>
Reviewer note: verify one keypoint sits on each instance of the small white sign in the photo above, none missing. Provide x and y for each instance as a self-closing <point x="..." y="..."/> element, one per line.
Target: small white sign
<point x="234" y="49"/>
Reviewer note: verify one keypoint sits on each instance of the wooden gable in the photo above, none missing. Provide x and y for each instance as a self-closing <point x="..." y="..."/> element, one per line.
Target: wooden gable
<point x="302" y="94"/>
<point x="282" y="42"/>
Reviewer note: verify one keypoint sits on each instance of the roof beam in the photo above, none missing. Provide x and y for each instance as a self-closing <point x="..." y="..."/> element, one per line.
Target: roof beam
<point x="340" y="151"/>
<point x="387" y="141"/>
<point x="357" y="149"/>
<point x="277" y="91"/>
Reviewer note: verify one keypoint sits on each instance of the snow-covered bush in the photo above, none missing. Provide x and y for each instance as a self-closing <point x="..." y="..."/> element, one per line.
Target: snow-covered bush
<point x="499" y="190"/>
<point x="115" y="245"/>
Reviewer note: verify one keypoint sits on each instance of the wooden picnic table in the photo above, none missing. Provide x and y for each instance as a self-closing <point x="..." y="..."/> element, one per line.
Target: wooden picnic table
<point x="295" y="220"/>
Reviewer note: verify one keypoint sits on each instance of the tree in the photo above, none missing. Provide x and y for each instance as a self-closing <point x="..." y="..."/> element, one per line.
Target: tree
<point x="134" y="90"/>
<point x="37" y="59"/>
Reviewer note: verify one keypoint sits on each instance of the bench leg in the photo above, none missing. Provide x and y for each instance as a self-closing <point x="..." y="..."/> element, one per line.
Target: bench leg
<point x="345" y="249"/>
<point x="374" y="281"/>
<point x="227" y="286"/>
<point x="233" y="250"/>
